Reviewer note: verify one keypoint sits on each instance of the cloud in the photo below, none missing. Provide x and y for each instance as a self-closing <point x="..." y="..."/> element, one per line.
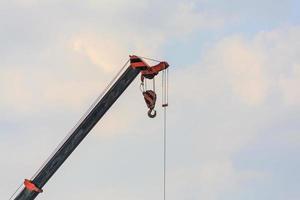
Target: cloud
<point x="230" y="93"/>
<point x="290" y="87"/>
<point x="15" y="90"/>
<point x="22" y="94"/>
<point x="186" y="18"/>
<point x="101" y="50"/>
<point x="172" y="20"/>
<point x="78" y="48"/>
<point x="212" y="180"/>
<point x="249" y="69"/>
<point x="220" y="177"/>
<point x="243" y="67"/>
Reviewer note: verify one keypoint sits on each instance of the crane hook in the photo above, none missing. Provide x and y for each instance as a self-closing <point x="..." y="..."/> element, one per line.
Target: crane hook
<point x="150" y="99"/>
<point x="152" y="114"/>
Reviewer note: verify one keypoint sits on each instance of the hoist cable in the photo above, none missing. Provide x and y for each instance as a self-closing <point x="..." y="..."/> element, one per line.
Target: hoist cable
<point x="165" y="151"/>
<point x="81" y="119"/>
<point x="167" y="85"/>
<point x="164" y="105"/>
<point x="154" y="84"/>
<point x="15" y="191"/>
<point x="149" y="59"/>
<point x="146" y="88"/>
<point x="162" y="88"/>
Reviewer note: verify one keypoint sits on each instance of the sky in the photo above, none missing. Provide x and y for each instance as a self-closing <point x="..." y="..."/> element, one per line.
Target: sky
<point x="234" y="100"/>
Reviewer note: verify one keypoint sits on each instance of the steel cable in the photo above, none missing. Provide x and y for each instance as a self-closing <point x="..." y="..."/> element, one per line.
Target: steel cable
<point x="81" y="119"/>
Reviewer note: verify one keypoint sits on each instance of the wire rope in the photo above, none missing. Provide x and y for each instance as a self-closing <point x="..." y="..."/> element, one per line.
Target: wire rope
<point x="81" y="119"/>
<point x="15" y="191"/>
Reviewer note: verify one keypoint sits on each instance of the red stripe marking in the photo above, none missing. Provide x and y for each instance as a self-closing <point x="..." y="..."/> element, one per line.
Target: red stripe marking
<point x="138" y="64"/>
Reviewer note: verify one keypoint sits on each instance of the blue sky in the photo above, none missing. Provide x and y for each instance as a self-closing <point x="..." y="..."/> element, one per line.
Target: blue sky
<point x="233" y="130"/>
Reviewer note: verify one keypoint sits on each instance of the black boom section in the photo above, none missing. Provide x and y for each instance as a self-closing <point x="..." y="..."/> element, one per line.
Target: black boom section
<point x="80" y="132"/>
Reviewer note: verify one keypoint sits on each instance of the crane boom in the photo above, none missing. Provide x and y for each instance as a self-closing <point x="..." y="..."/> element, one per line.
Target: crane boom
<point x="33" y="187"/>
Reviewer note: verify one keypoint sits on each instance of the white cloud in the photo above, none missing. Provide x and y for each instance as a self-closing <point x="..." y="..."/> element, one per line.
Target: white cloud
<point x="228" y="93"/>
<point x="186" y="19"/>
<point x="211" y="181"/>
<point x="243" y="67"/>
<point x="155" y="28"/>
<point x="249" y="69"/>
<point x="290" y="87"/>
<point x="25" y="91"/>
<point x="220" y="177"/>
<point x="106" y="49"/>
<point x="102" y="50"/>
<point x="16" y="92"/>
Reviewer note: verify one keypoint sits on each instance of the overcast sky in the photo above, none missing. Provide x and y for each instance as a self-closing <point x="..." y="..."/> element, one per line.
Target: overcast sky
<point x="233" y="120"/>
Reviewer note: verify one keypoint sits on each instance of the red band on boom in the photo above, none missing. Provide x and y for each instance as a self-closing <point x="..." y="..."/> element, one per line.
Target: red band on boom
<point x="29" y="185"/>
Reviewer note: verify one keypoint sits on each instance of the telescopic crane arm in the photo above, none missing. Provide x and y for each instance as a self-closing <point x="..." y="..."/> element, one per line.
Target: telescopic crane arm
<point x="137" y="65"/>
